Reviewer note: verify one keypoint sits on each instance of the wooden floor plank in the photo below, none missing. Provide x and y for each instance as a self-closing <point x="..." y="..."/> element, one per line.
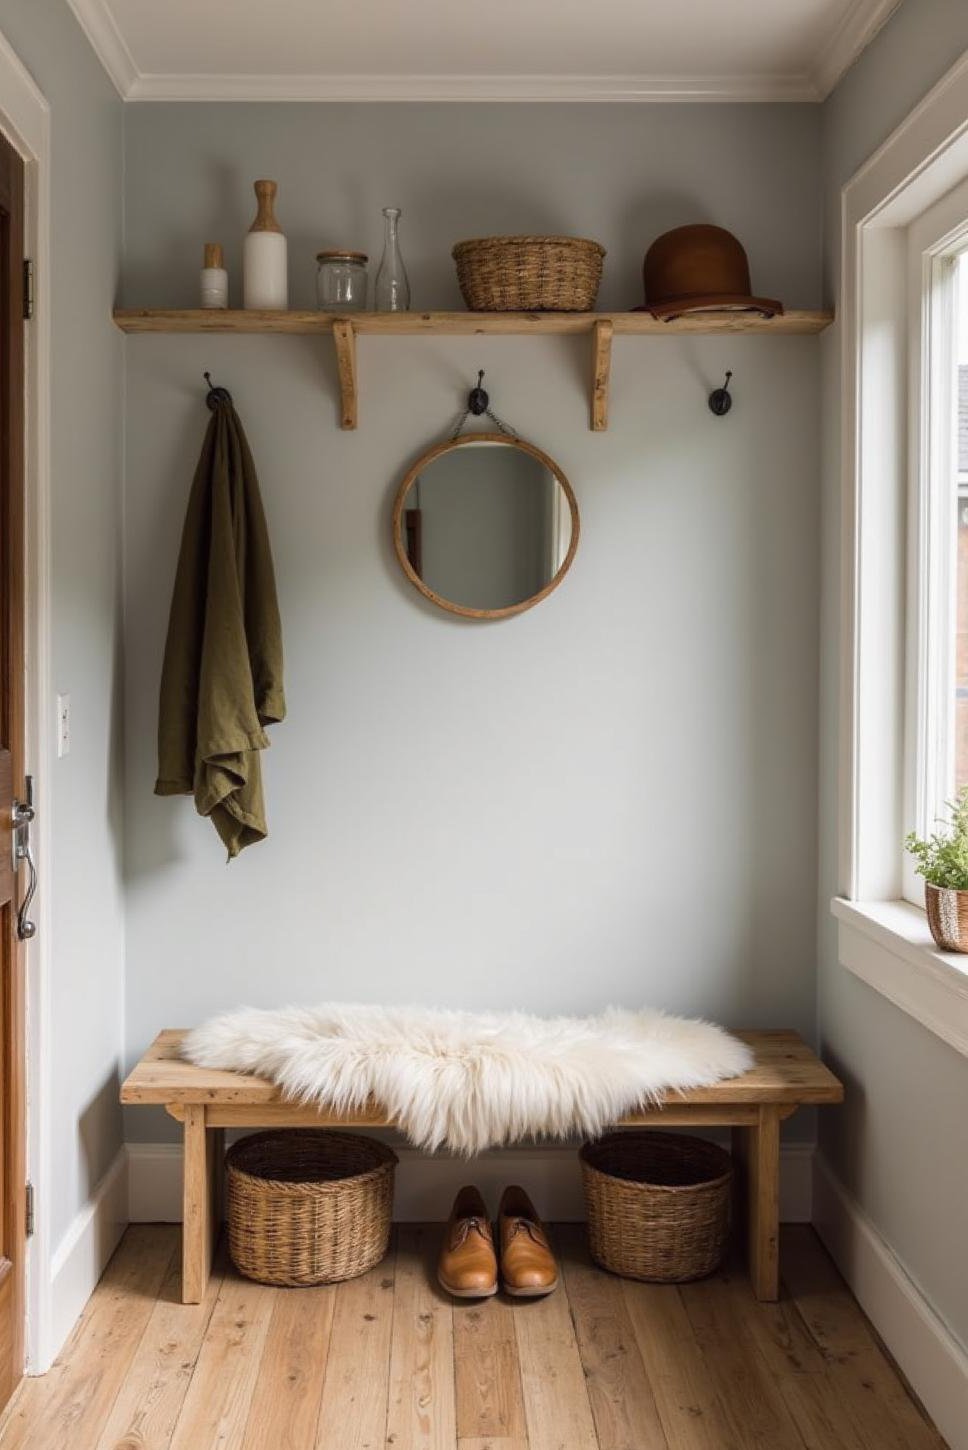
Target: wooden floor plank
<point x="745" y="1387"/>
<point x="154" y="1390"/>
<point x="884" y="1415"/>
<point x="623" y="1405"/>
<point x="68" y="1406"/>
<point x="799" y="1369"/>
<point x="556" y="1405"/>
<point x="353" y="1411"/>
<point x="689" y="1409"/>
<point x="827" y="1307"/>
<point x="216" y="1407"/>
<point x="289" y="1390"/>
<point x="421" y="1409"/>
<point x="777" y="1329"/>
<point x="819" y="1413"/>
<point x="490" y="1403"/>
<point x="491" y="1442"/>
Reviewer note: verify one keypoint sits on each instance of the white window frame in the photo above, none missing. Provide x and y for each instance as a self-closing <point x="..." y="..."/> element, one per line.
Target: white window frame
<point x="933" y="241"/>
<point x="883" y="938"/>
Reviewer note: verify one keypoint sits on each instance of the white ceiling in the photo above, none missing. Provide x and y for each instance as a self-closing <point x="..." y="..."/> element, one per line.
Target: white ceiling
<point x="464" y="50"/>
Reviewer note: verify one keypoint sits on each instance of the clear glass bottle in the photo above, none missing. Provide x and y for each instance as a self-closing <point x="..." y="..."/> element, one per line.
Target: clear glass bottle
<point x="392" y="290"/>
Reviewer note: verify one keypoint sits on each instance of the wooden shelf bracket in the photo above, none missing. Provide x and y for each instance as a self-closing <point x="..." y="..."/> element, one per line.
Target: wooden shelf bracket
<point x="344" y="336"/>
<point x="601" y="372"/>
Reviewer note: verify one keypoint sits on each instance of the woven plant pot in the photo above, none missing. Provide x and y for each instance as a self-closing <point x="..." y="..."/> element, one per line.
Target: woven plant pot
<point x="947" y="916"/>
<point x="657" y="1204"/>
<point x="307" y="1206"/>
<point x="529" y="274"/>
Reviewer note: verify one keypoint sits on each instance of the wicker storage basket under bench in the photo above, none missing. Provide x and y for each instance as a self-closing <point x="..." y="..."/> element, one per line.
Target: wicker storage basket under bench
<point x="657" y="1204"/>
<point x="308" y="1206"/>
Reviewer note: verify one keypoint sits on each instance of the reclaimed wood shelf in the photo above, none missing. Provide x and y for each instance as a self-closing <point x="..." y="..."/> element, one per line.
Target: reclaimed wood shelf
<point x="345" y="327"/>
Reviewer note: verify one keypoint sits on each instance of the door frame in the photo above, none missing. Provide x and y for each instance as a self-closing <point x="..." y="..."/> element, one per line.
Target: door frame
<point x="25" y="122"/>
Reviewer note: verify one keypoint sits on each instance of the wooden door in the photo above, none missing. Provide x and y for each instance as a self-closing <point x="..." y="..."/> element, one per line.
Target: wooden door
<point x="12" y="780"/>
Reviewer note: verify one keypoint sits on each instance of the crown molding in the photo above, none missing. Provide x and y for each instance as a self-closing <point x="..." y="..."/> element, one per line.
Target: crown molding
<point x="107" y="42"/>
<point x="850" y="36"/>
<point x="497" y="88"/>
<point x="853" y="32"/>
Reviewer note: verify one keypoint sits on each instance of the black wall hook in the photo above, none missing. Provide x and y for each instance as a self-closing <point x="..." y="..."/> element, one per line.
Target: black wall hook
<point x="720" y="401"/>
<point x="478" y="401"/>
<point x="216" y="395"/>
<point x="479" y="405"/>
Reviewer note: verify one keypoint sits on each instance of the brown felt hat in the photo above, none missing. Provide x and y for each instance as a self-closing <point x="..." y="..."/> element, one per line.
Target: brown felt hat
<point x="698" y="269"/>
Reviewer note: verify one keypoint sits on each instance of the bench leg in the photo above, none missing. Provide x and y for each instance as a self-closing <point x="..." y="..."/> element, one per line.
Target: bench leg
<point x="216" y="1163"/>
<point x="199" y="1223"/>
<point x="759" y="1167"/>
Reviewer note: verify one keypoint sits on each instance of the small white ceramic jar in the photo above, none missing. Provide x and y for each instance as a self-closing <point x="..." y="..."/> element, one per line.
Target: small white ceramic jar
<point x="215" y="279"/>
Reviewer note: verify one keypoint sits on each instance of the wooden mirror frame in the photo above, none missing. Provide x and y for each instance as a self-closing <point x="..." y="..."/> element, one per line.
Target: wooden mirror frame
<point x="400" y="503"/>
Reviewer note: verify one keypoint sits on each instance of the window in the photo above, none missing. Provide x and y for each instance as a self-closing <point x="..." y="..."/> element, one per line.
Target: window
<point x="936" y="664"/>
<point x="961" y="482"/>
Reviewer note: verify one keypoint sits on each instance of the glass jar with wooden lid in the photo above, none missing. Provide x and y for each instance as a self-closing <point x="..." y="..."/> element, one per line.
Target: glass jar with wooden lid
<point x="341" y="281"/>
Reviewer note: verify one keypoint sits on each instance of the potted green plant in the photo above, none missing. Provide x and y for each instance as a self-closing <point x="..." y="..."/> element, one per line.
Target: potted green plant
<point x="942" y="860"/>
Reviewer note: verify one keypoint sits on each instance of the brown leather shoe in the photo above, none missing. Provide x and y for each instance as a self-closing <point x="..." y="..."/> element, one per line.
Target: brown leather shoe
<point x="528" y="1267"/>
<point x="467" y="1267"/>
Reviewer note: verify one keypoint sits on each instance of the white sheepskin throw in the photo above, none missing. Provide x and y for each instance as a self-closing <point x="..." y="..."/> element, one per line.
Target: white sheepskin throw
<point x="468" y="1081"/>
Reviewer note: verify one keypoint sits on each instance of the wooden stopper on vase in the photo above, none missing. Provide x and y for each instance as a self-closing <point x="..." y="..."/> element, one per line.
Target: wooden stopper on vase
<point x="214" y="255"/>
<point x="265" y="220"/>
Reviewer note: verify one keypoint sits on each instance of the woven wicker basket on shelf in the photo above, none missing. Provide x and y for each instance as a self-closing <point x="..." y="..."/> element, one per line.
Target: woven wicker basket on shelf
<point x="308" y="1206"/>
<point x="529" y="274"/>
<point x="657" y="1204"/>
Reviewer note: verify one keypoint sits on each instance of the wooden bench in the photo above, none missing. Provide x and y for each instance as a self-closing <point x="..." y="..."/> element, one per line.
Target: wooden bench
<point x="787" y="1075"/>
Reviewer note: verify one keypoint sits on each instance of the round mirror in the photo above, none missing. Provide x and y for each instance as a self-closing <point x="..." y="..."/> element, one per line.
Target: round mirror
<point x="485" y="525"/>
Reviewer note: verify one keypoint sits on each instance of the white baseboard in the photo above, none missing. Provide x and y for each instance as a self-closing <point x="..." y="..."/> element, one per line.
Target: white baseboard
<point x="82" y="1256"/>
<point x="426" y="1185"/>
<point x="155" y="1182"/>
<point x="932" y="1358"/>
<point x="796" y="1182"/>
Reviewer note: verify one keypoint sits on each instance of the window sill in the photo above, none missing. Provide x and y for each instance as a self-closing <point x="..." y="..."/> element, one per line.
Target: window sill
<point x="888" y="945"/>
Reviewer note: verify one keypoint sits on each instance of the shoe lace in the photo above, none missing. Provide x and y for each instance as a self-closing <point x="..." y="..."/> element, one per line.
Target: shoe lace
<point x="525" y="1225"/>
<point x="463" y="1227"/>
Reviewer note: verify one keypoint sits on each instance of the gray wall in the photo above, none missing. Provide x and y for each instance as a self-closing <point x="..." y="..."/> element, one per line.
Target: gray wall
<point x="899" y="1144"/>
<point x="610" y="798"/>
<point x="86" y="945"/>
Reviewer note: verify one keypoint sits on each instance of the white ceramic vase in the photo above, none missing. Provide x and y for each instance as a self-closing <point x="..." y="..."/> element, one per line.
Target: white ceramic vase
<point x="265" y="282"/>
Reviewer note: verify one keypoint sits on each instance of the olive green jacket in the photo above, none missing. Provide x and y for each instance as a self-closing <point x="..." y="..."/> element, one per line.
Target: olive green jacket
<point x="221" y="681"/>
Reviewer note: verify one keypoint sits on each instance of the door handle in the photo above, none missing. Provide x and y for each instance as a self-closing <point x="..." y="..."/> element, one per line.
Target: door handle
<point x="22" y="815"/>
